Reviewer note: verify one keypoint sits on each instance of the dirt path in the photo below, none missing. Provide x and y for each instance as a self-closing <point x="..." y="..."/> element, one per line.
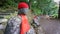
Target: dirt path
<point x="50" y="26"/>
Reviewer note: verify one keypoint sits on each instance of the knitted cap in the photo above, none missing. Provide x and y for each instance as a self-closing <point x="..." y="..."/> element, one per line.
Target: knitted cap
<point x="22" y="5"/>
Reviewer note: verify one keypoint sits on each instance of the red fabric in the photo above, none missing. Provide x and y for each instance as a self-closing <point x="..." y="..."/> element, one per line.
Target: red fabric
<point x="22" y="5"/>
<point x="24" y="25"/>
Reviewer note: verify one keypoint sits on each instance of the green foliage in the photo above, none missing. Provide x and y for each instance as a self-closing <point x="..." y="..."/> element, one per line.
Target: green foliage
<point x="11" y="15"/>
<point x="47" y="7"/>
<point x="36" y="11"/>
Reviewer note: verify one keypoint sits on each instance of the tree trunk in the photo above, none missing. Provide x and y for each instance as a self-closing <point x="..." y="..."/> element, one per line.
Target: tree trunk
<point x="30" y="4"/>
<point x="59" y="11"/>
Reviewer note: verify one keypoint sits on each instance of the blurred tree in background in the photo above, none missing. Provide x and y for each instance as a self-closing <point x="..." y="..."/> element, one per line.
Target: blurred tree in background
<point x="46" y="7"/>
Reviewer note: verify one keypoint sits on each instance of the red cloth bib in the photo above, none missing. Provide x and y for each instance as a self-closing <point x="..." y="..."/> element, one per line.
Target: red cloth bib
<point x="24" y="25"/>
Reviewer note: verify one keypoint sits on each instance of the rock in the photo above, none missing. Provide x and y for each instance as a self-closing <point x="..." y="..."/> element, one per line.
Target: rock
<point x="40" y="30"/>
<point x="3" y="20"/>
<point x="2" y="27"/>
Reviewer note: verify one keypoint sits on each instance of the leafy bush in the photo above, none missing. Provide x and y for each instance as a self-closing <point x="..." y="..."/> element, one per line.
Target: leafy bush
<point x="47" y="7"/>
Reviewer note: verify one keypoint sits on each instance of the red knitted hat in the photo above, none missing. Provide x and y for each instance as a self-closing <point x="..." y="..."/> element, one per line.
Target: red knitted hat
<point x="22" y="5"/>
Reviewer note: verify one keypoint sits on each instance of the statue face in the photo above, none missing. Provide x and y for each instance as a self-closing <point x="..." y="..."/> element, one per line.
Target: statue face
<point x="23" y="11"/>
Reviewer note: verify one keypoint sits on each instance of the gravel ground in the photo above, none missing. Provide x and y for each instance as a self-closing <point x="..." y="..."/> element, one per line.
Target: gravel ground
<point x="51" y="26"/>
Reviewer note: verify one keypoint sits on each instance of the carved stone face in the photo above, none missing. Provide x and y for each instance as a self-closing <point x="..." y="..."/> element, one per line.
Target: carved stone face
<point x="23" y="11"/>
